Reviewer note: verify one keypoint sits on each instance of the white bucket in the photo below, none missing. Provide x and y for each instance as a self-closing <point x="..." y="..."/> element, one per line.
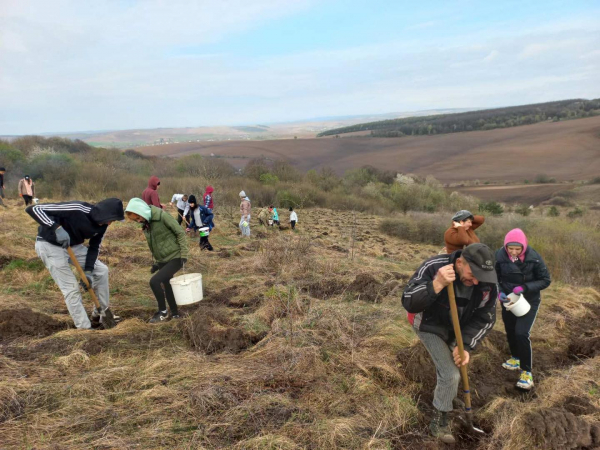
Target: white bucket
<point x="187" y="288"/>
<point x="204" y="231"/>
<point x="270" y="222"/>
<point x="517" y="305"/>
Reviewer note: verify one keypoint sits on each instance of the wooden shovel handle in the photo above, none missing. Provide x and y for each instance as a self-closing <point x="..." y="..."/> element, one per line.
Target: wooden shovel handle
<point x="461" y="347"/>
<point x="83" y="277"/>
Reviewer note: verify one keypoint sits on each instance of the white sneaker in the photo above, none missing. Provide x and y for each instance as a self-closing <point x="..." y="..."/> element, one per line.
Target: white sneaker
<point x="512" y="364"/>
<point x="526" y="381"/>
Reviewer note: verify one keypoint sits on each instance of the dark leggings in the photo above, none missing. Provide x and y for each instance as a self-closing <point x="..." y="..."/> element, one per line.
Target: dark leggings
<point x="160" y="284"/>
<point x="518" y="330"/>
<point x="28" y="199"/>
<point x="180" y="215"/>
<point x="293" y="223"/>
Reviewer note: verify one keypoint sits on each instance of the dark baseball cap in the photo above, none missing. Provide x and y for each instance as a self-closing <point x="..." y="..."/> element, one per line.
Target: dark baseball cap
<point x="463" y="214"/>
<point x="482" y="262"/>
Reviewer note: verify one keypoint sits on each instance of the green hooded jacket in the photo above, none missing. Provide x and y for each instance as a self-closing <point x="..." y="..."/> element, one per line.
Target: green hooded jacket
<point x="165" y="237"/>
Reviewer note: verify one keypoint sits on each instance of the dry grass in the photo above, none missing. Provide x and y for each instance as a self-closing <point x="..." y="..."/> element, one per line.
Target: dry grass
<point x="318" y="367"/>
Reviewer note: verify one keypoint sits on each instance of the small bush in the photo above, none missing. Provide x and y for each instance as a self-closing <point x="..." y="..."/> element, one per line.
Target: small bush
<point x="559" y="201"/>
<point x="543" y="178"/>
<point x="577" y="212"/>
<point x="494" y="208"/>
<point x="269" y="178"/>
<point x="553" y="211"/>
<point x="523" y="210"/>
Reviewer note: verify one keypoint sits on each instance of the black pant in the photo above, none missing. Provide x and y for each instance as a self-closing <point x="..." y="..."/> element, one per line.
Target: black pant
<point x="518" y="330"/>
<point x="204" y="244"/>
<point x="293" y="222"/>
<point x="160" y="285"/>
<point x="180" y="215"/>
<point x="28" y="199"/>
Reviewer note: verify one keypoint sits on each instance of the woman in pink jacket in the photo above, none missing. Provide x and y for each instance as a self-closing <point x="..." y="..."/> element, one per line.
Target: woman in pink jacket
<point x="245" y="210"/>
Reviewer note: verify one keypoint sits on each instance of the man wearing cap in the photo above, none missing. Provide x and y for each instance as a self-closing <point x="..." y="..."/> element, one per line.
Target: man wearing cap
<point x="69" y="224"/>
<point x="462" y="231"/>
<point x="426" y="299"/>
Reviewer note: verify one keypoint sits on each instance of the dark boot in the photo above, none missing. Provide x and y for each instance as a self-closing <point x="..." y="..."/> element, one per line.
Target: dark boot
<point x="440" y="427"/>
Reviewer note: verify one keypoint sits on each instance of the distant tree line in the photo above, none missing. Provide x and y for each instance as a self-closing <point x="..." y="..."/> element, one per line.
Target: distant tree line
<point x="488" y="119"/>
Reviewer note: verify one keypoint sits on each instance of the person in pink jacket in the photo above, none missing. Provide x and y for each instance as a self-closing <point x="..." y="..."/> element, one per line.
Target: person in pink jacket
<point x="245" y="210"/>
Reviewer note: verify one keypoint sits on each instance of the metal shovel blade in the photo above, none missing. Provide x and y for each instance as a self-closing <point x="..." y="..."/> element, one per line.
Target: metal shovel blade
<point x="465" y="419"/>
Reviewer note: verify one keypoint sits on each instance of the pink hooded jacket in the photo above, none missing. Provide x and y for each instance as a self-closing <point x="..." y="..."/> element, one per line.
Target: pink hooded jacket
<point x="516" y="235"/>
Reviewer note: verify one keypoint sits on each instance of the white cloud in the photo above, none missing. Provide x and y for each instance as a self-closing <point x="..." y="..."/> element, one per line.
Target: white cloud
<point x="113" y="66"/>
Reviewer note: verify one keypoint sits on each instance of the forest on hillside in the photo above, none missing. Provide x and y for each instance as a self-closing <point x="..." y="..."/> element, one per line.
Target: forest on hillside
<point x="487" y="119"/>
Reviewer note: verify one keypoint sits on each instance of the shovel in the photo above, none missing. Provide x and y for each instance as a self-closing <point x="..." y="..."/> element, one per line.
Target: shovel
<point x="467" y="420"/>
<point x="106" y="316"/>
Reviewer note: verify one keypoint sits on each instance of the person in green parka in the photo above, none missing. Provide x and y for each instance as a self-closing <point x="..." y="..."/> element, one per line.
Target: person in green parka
<point x="169" y="248"/>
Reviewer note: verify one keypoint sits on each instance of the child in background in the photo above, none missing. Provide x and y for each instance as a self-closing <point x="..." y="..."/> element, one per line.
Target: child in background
<point x="245" y="212"/>
<point x="293" y="218"/>
<point x="208" y="198"/>
<point x="275" y="215"/>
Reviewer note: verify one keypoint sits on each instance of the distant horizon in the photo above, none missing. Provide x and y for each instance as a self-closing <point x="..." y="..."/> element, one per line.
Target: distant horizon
<point x="306" y="120"/>
<point x="149" y="64"/>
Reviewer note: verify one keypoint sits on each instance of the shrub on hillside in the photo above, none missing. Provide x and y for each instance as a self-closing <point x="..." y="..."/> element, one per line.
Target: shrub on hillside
<point x="543" y="178"/>
<point x="553" y="211"/>
<point x="59" y="171"/>
<point x="559" y="201"/>
<point x="493" y="208"/>
<point x="523" y="210"/>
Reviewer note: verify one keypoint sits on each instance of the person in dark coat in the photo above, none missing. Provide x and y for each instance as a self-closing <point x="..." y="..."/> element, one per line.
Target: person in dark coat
<point x="521" y="270"/>
<point x="426" y="299"/>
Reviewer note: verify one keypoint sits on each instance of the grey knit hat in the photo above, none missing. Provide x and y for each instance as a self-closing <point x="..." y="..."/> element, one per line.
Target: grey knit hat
<point x="463" y="214"/>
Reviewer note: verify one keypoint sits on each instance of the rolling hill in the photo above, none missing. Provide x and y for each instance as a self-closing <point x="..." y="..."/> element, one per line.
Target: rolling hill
<point x="566" y="150"/>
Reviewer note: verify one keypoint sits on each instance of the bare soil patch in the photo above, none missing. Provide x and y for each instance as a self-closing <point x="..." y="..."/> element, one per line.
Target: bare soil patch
<point x="211" y="330"/>
<point x="26" y="322"/>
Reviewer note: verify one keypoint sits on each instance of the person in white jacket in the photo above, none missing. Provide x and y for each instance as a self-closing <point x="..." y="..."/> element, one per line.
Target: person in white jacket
<point x="293" y="218"/>
<point x="183" y="207"/>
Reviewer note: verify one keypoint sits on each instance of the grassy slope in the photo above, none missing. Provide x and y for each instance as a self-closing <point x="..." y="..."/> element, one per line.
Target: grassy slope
<point x="295" y="346"/>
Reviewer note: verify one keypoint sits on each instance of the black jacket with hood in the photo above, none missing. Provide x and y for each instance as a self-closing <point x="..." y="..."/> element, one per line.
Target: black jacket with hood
<point x="531" y="273"/>
<point x="80" y="219"/>
<point x="430" y="312"/>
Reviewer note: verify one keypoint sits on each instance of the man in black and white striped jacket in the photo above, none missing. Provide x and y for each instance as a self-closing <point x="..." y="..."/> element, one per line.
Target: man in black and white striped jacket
<point x="471" y="270"/>
<point x="70" y="224"/>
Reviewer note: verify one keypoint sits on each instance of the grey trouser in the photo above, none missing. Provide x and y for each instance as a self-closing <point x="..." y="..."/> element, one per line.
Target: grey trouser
<point x="56" y="260"/>
<point x="2" y="196"/>
<point x="448" y="375"/>
<point x="245" y="229"/>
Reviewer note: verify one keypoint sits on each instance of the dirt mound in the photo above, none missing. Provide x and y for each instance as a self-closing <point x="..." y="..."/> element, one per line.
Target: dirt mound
<point x="557" y="428"/>
<point x="368" y="288"/>
<point x="26" y="322"/>
<point x="579" y="406"/>
<point x="326" y="288"/>
<point x="211" y="330"/>
<point x="338" y="248"/>
<point x="585" y="347"/>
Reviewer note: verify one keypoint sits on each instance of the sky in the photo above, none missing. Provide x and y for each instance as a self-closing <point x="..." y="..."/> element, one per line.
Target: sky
<point x="77" y="65"/>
